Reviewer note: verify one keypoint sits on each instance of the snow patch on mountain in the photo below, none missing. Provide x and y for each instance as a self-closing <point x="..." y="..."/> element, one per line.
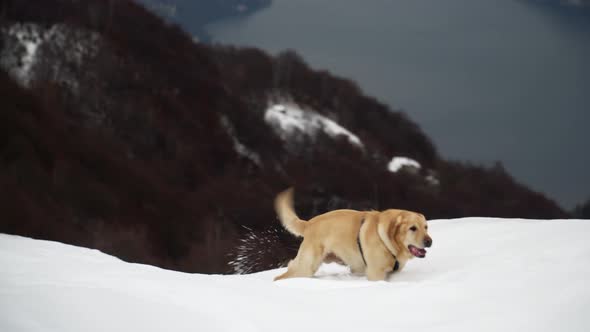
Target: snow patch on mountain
<point x="27" y="44"/>
<point x="240" y="148"/>
<point x="27" y="38"/>
<point x="397" y="163"/>
<point x="290" y="120"/>
<point x="432" y="180"/>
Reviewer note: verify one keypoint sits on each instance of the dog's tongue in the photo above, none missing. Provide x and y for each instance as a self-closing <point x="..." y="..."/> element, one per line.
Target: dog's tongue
<point x="417" y="251"/>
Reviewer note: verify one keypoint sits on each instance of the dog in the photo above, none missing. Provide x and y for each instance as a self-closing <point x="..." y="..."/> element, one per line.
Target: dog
<point x="371" y="242"/>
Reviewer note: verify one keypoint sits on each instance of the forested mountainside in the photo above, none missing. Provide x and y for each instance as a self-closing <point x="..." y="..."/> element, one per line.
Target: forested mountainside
<point x="119" y="132"/>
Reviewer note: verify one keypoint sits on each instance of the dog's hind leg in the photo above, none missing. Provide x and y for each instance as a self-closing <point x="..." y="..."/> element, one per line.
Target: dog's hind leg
<point x="351" y="258"/>
<point x="306" y="263"/>
<point x="289" y="273"/>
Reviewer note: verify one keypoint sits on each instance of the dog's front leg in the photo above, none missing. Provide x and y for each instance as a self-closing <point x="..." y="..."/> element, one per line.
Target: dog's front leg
<point x="376" y="274"/>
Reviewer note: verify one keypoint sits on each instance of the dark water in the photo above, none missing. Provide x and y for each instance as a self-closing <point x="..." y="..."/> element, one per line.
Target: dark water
<point x="488" y="80"/>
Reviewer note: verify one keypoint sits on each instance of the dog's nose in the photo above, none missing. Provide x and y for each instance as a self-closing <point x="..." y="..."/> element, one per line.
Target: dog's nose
<point x="427" y="242"/>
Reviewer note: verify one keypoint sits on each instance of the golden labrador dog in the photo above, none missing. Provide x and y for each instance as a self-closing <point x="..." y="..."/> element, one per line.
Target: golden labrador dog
<point x="372" y="242"/>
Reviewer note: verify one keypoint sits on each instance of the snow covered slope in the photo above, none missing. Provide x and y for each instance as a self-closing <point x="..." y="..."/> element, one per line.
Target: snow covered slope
<point x="480" y="275"/>
<point x="288" y="120"/>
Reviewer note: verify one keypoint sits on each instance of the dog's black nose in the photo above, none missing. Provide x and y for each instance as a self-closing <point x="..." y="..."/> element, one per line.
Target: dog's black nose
<point x="427" y="242"/>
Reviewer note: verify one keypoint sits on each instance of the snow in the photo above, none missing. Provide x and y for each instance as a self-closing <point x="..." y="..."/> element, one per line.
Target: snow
<point x="481" y="274"/>
<point x="289" y="119"/>
<point x="240" y="148"/>
<point x="433" y="180"/>
<point x="27" y="44"/>
<point x="28" y="36"/>
<point x="398" y="163"/>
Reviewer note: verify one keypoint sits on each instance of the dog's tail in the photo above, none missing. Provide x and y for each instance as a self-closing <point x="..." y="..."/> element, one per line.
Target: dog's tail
<point x="286" y="213"/>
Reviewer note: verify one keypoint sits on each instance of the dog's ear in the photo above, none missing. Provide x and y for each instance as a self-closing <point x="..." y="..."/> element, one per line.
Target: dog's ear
<point x="395" y="226"/>
<point x="395" y="232"/>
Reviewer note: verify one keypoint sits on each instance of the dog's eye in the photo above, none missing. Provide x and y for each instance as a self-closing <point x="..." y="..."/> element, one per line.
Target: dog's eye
<point x="413" y="228"/>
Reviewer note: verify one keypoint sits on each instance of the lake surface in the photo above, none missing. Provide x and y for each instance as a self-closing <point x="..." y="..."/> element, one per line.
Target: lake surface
<point x="487" y="80"/>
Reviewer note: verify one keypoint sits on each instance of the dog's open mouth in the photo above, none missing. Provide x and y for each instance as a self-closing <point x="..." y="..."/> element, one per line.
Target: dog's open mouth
<point x="418" y="252"/>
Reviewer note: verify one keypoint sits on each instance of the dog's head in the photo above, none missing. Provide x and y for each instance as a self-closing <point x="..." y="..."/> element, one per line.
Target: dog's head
<point x="408" y="232"/>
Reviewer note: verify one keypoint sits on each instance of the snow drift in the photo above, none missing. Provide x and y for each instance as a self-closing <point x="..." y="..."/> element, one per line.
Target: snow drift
<point x="482" y="274"/>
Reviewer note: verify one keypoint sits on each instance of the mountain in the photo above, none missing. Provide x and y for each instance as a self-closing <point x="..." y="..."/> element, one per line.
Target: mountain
<point x="481" y="275"/>
<point x="119" y="132"/>
<point x="194" y="15"/>
<point x="572" y="4"/>
<point x="575" y="3"/>
<point x="578" y="2"/>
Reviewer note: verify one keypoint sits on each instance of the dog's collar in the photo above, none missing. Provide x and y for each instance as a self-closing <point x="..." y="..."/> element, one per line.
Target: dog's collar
<point x="358" y="241"/>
